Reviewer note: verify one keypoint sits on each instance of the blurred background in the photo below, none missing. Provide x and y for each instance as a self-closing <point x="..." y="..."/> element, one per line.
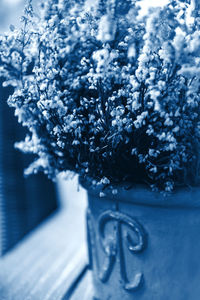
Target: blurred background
<point x="24" y="203"/>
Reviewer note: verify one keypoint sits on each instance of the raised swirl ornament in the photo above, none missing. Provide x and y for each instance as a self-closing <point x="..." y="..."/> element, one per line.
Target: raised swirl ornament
<point x="113" y="245"/>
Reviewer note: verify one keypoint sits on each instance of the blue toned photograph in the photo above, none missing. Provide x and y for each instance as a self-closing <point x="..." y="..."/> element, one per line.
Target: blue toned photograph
<point x="99" y="149"/>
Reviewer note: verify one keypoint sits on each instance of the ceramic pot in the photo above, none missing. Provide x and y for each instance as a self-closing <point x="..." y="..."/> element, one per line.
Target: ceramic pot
<point x="143" y="245"/>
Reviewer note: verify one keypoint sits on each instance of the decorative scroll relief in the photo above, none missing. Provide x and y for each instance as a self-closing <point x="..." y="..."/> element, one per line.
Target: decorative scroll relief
<point x="112" y="245"/>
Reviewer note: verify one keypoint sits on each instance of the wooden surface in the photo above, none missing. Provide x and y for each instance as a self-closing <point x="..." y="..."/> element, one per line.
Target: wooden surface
<point x="84" y="289"/>
<point x="50" y="263"/>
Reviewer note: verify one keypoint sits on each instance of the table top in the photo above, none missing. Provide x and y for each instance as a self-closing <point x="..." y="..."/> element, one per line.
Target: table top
<point x="50" y="263"/>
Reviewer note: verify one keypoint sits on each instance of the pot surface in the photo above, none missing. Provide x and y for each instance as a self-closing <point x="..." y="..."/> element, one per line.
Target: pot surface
<point x="147" y="252"/>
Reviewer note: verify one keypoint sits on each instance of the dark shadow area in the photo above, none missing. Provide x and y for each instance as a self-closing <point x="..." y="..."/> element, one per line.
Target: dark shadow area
<point x="24" y="202"/>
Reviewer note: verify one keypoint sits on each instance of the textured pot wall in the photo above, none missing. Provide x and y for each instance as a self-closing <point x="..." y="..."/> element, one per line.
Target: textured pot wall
<point x="143" y="252"/>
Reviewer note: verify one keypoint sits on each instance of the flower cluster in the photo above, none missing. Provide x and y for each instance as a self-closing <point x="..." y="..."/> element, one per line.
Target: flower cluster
<point x="106" y="93"/>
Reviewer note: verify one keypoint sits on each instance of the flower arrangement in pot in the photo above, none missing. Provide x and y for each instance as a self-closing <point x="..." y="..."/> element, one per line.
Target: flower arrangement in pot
<point x="114" y="96"/>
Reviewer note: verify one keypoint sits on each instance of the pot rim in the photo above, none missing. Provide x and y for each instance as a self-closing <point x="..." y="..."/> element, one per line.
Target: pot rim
<point x="187" y="197"/>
